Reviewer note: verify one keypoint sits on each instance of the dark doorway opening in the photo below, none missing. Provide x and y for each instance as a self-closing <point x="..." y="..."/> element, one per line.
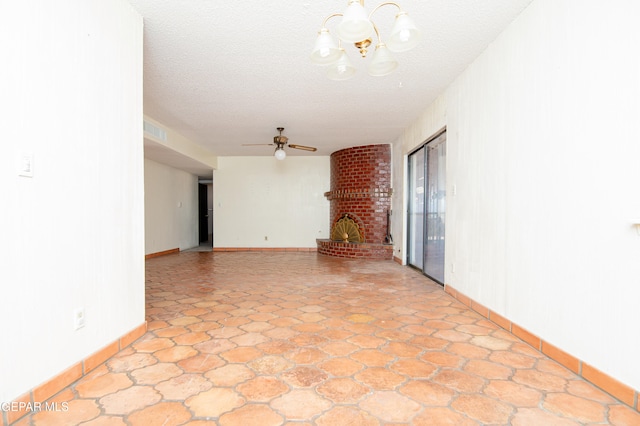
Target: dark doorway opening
<point x="203" y="214"/>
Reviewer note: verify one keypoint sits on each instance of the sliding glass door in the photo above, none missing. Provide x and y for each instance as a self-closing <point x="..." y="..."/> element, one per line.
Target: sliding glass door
<point x="416" y="208"/>
<point x="426" y="220"/>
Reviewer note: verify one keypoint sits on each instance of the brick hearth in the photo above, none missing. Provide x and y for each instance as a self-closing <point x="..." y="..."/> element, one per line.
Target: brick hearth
<point x="361" y="188"/>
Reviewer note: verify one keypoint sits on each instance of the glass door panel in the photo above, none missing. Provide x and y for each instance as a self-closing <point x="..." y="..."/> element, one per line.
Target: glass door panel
<point x="426" y="212"/>
<point x="416" y="208"/>
<point x="435" y="209"/>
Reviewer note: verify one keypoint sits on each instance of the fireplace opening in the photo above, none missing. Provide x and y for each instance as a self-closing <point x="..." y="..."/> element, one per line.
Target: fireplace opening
<point x="347" y="230"/>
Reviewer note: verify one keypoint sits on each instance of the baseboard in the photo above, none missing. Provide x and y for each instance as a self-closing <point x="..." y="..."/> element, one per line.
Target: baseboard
<point x="51" y="387"/>
<point x="161" y="253"/>
<point x="613" y="387"/>
<point x="266" y="249"/>
<point x="397" y="260"/>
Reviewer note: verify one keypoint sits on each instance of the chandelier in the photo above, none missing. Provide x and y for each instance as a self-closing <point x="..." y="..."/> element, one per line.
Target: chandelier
<point x="356" y="27"/>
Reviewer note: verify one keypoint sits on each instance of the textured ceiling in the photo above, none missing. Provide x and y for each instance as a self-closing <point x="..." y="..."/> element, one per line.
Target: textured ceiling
<point x="227" y="73"/>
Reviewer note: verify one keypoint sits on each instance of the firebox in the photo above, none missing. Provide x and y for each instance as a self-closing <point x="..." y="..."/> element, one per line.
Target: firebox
<point x="346" y="230"/>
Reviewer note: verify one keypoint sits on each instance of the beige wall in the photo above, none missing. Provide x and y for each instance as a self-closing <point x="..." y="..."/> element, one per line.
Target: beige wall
<point x="258" y="197"/>
<point x="73" y="234"/>
<point x="171" y="208"/>
<point x="542" y="146"/>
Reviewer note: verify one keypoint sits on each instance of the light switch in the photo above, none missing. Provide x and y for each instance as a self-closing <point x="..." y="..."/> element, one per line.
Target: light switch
<point x="25" y="164"/>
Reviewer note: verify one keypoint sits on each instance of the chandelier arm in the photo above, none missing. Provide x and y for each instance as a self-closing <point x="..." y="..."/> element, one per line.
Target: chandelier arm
<point x="324" y="24"/>
<point x="384" y="4"/>
<point x="374" y="10"/>
<point x="375" y="28"/>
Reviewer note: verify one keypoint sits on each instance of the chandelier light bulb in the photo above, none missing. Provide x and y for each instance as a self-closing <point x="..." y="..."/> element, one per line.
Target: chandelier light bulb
<point x="342" y="69"/>
<point x="404" y="35"/>
<point x="382" y="62"/>
<point x="355" y="25"/>
<point x="325" y="51"/>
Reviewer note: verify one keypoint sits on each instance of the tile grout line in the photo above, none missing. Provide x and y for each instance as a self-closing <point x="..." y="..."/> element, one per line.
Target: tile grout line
<point x="521" y="333"/>
<point x="311" y="334"/>
<point x="128" y="338"/>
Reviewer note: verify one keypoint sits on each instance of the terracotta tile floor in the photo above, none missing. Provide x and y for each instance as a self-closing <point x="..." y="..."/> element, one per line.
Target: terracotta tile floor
<point x="302" y="339"/>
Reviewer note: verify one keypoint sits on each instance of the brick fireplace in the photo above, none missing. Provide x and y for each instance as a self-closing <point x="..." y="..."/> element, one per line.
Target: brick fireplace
<point x="360" y="193"/>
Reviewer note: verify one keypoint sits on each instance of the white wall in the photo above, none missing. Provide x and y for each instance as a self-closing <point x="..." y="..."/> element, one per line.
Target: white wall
<point x="73" y="234"/>
<point x="171" y="208"/>
<point x="543" y="145"/>
<point x="258" y="197"/>
<point x="398" y="223"/>
<point x="177" y="143"/>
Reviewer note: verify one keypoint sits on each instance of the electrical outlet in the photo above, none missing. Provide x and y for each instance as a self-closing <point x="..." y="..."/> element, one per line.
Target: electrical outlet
<point x="78" y="318"/>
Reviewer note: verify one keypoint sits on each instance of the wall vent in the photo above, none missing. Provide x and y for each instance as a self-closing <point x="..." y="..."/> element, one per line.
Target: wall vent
<point x="155" y="131"/>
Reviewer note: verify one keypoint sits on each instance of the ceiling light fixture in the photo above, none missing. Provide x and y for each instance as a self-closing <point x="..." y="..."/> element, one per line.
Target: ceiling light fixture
<point x="356" y="27"/>
<point x="280" y="142"/>
<point x="280" y="154"/>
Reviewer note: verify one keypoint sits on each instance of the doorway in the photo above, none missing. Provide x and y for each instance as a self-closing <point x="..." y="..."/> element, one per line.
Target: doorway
<point x="426" y="210"/>
<point x="205" y="214"/>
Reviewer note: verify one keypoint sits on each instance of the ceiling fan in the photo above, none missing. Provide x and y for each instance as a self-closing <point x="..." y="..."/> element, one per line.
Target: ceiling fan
<point x="280" y="142"/>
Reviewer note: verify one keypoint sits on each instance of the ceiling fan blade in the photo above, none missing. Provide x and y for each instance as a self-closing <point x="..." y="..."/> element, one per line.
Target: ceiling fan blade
<point x="305" y="148"/>
<point x="257" y="144"/>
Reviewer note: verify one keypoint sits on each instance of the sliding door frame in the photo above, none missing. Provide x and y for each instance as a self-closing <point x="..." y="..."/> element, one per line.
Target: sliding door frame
<point x="425" y="227"/>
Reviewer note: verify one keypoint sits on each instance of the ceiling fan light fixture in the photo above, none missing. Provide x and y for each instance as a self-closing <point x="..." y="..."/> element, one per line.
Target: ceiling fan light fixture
<point x="280" y="142"/>
<point x="280" y="154"/>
